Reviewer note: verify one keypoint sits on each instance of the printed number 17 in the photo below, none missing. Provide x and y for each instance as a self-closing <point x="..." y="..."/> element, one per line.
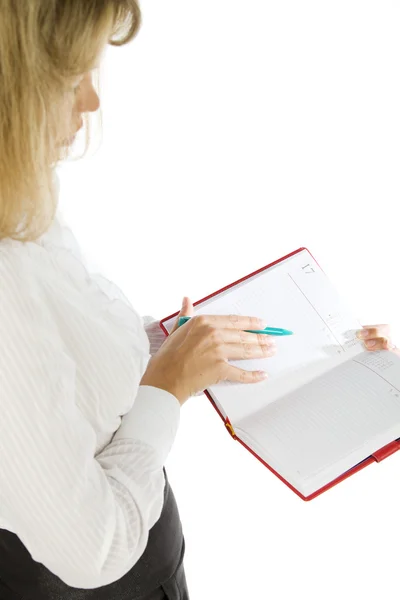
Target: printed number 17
<point x="310" y="269"/>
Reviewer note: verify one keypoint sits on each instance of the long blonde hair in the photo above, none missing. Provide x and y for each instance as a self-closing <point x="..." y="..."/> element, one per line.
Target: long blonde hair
<point x="44" y="45"/>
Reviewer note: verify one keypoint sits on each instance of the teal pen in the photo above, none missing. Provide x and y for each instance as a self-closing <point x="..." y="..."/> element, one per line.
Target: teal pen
<point x="267" y="331"/>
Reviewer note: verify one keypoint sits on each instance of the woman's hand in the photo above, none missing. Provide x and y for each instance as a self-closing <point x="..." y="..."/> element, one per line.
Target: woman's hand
<point x="195" y="356"/>
<point x="376" y="337"/>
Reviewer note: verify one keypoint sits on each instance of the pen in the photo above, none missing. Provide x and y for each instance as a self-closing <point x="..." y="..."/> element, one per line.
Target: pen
<point x="267" y="331"/>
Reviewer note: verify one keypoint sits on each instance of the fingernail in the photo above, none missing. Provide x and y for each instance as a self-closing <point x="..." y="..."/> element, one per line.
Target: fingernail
<point x="370" y="343"/>
<point x="263" y="374"/>
<point x="362" y="333"/>
<point x="263" y="324"/>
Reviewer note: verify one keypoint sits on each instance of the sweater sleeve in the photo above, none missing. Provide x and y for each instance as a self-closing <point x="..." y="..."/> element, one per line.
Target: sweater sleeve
<point x="86" y="517"/>
<point x="155" y="334"/>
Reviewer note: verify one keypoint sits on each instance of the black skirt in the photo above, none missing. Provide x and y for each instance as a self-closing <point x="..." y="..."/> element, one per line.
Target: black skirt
<point x="158" y="574"/>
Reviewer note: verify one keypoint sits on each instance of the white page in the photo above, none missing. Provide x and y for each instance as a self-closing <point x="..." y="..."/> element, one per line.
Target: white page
<point x="313" y="435"/>
<point x="295" y="295"/>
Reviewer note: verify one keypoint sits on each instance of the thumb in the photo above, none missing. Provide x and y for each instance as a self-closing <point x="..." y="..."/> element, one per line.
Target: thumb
<point x="187" y="310"/>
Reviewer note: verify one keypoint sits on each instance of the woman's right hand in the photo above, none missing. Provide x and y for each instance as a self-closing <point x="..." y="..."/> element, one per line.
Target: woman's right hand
<point x="195" y="356"/>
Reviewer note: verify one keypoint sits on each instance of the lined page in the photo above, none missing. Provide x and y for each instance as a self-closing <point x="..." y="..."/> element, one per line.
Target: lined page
<point x="294" y="294"/>
<point x="316" y="433"/>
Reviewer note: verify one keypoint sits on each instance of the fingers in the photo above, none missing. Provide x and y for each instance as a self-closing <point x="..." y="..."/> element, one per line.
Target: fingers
<point x="238" y="336"/>
<point x="228" y="322"/>
<point x="380" y="343"/>
<point x="248" y="351"/>
<point x="374" y="331"/>
<point x="242" y="376"/>
<point x="376" y="337"/>
<point x="234" y="344"/>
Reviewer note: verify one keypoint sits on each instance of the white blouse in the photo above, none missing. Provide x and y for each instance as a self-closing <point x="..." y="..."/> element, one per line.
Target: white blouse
<point x="82" y="444"/>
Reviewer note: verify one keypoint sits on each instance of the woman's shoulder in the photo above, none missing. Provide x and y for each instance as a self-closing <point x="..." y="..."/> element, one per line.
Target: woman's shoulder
<point x="14" y="257"/>
<point x="26" y="322"/>
<point x="22" y="270"/>
<point x="25" y="260"/>
<point x="17" y="260"/>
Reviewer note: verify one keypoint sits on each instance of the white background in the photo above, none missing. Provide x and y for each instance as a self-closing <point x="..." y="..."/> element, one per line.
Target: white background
<point x="235" y="132"/>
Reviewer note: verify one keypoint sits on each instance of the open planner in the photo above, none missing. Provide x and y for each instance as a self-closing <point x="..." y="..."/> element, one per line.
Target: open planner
<point x="329" y="407"/>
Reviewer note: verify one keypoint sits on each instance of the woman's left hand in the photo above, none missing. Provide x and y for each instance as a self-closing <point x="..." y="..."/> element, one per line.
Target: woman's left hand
<point x="376" y="337"/>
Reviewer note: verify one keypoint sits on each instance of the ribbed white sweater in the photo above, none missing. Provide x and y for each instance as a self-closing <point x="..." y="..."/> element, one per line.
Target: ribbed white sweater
<point x="82" y="445"/>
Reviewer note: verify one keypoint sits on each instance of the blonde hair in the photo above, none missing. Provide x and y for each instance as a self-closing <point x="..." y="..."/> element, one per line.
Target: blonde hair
<point x="44" y="46"/>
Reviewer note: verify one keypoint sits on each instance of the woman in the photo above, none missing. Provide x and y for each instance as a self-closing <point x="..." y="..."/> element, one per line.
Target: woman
<point x="87" y="421"/>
